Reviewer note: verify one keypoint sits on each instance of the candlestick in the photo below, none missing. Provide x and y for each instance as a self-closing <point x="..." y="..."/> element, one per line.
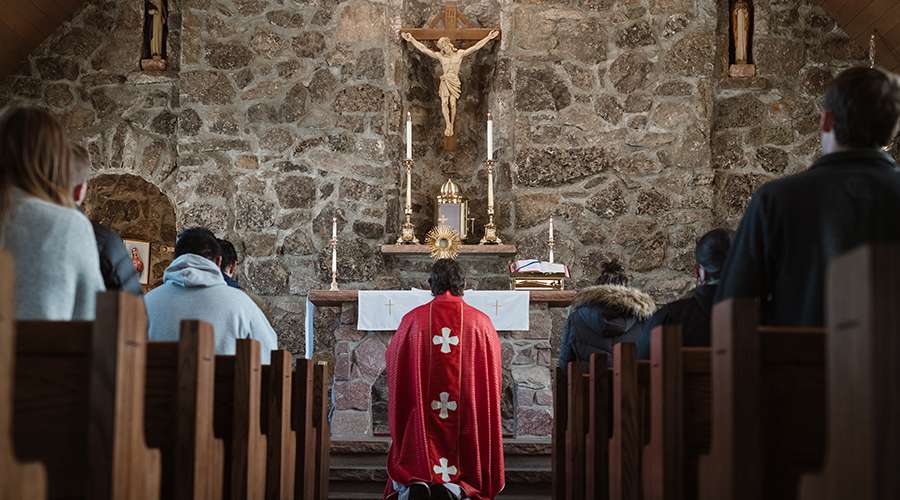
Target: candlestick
<point x="550" y="242"/>
<point x="334" y="285"/>
<point x="490" y="229"/>
<point x="490" y="137"/>
<point x="407" y="230"/>
<point x="408" y="136"/>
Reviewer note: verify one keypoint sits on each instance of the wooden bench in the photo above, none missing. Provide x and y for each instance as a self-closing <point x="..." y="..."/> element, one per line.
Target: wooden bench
<point x="321" y="427"/>
<point x="679" y="430"/>
<point x="236" y="418"/>
<point x="598" y="427"/>
<point x="79" y="403"/>
<point x="864" y="379"/>
<point x="179" y="412"/>
<point x="281" y="442"/>
<point x="20" y="481"/>
<point x="768" y="413"/>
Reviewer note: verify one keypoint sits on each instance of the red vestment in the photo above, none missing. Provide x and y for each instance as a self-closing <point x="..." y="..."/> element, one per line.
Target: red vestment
<point x="444" y="383"/>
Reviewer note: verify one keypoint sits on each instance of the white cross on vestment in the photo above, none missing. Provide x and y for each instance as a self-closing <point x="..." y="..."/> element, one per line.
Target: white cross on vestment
<point x="445" y="339"/>
<point x="445" y="471"/>
<point x="444" y="404"/>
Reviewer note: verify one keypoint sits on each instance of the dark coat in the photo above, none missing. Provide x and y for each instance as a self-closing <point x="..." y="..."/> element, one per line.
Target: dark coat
<point x="692" y="312"/>
<point x="115" y="263"/>
<point x="794" y="226"/>
<point x="602" y="316"/>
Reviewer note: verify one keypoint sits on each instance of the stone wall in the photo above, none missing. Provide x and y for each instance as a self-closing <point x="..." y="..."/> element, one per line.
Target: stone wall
<point x="611" y="115"/>
<point x="137" y="210"/>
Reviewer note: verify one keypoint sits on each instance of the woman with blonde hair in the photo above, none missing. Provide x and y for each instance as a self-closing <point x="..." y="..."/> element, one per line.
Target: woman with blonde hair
<point x="56" y="263"/>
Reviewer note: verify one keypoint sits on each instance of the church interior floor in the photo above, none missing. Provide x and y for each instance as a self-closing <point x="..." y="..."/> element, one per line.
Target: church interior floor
<point x="358" y="468"/>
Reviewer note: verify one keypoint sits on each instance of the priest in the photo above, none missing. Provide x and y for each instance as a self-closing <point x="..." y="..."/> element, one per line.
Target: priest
<point x="444" y="383"/>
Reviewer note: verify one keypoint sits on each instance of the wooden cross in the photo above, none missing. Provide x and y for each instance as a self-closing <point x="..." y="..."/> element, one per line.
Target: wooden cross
<point x="389" y="305"/>
<point x="452" y="24"/>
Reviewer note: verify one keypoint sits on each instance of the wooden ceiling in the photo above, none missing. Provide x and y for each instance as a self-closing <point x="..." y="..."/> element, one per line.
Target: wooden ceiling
<point x="24" y="24"/>
<point x="861" y="18"/>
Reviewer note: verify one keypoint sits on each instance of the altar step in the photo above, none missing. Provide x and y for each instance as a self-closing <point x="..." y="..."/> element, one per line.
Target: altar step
<point x="358" y="469"/>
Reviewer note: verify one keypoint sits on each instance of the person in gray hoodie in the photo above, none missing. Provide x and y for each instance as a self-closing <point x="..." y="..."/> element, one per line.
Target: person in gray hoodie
<point x="193" y="288"/>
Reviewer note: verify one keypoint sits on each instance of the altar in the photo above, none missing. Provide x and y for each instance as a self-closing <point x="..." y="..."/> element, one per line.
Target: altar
<point x="360" y="390"/>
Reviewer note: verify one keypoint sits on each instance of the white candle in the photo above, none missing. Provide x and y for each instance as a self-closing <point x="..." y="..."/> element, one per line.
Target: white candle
<point x="334" y="228"/>
<point x="490" y="137"/>
<point x="334" y="245"/>
<point x="551" y="228"/>
<point x="408" y="136"/>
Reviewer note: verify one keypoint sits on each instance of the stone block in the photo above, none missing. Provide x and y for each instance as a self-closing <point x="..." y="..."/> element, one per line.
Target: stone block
<point x="353" y="395"/>
<point x="544" y="398"/>
<point x="629" y="72"/>
<point x="368" y="357"/>
<point x="534" y="421"/>
<point x="351" y="423"/>
<point x="524" y="397"/>
<point x="531" y="377"/>
<point x="690" y="55"/>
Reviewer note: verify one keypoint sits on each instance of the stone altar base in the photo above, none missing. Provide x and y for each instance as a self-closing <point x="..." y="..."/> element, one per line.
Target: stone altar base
<point x="360" y="386"/>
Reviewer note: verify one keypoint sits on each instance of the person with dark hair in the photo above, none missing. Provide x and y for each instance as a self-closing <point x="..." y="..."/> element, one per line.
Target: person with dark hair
<point x="193" y="288"/>
<point x="444" y="383"/>
<point x="693" y="312"/>
<point x="115" y="263"/>
<point x="850" y="196"/>
<point x="604" y="315"/>
<point x="229" y="263"/>
<point x="56" y="263"/>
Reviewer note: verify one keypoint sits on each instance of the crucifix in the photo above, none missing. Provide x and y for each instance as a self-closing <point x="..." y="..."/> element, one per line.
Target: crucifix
<point x="390" y="305"/>
<point x="444" y="29"/>
<point x="497" y="307"/>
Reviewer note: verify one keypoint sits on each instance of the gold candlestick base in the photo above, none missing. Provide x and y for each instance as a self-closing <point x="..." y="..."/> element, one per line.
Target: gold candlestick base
<point x="334" y="287"/>
<point x="490" y="234"/>
<point x="407" y="233"/>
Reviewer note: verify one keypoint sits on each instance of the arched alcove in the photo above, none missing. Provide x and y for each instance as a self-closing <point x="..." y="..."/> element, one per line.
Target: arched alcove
<point x="137" y="210"/>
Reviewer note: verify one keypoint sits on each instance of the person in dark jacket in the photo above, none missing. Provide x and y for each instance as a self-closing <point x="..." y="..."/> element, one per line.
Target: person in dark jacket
<point x="115" y="262"/>
<point x="229" y="263"/>
<point x="604" y="315"/>
<point x="850" y="196"/>
<point x="693" y="312"/>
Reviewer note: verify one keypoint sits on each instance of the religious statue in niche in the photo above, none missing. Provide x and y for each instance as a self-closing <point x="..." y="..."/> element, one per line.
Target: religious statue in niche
<point x="451" y="59"/>
<point x="741" y="29"/>
<point x="156" y="17"/>
<point x="445" y="29"/>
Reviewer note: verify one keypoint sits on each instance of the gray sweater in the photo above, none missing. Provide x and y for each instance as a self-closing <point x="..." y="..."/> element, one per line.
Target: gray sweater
<point x="193" y="288"/>
<point x="57" y="267"/>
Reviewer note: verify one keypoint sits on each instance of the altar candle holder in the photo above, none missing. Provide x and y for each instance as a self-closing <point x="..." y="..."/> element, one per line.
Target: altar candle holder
<point x="407" y="229"/>
<point x="490" y="229"/>
<point x="334" y="285"/>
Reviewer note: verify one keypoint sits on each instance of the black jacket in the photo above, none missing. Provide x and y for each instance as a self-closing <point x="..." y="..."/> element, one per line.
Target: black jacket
<point x="115" y="263"/>
<point x="602" y="316"/>
<point x="692" y="312"/>
<point x="794" y="226"/>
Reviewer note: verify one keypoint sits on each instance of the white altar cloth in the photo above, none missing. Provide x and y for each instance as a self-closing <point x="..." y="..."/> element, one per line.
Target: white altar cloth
<point x="507" y="309"/>
<point x="382" y="310"/>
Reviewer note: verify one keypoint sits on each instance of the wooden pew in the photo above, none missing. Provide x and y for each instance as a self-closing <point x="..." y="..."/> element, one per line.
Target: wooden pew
<point x="321" y="427"/>
<point x="679" y="417"/>
<point x="79" y="402"/>
<point x="863" y="379"/>
<point x="277" y="389"/>
<point x="304" y="430"/>
<point x="596" y="448"/>
<point x="20" y="481"/>
<point x="768" y="414"/>
<point x="236" y="418"/>
<point x="179" y="414"/>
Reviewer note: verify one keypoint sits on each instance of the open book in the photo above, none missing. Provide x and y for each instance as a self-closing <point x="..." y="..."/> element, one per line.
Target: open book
<point x="538" y="267"/>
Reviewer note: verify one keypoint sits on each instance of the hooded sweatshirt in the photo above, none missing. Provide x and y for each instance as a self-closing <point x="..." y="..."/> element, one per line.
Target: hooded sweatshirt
<point x="193" y="288"/>
<point x="602" y="316"/>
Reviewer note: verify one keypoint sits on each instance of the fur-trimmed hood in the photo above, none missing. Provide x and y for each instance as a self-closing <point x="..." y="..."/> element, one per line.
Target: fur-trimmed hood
<point x="627" y="300"/>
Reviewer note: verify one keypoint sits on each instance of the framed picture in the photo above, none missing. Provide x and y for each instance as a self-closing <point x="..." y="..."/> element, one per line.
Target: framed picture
<point x="140" y="258"/>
